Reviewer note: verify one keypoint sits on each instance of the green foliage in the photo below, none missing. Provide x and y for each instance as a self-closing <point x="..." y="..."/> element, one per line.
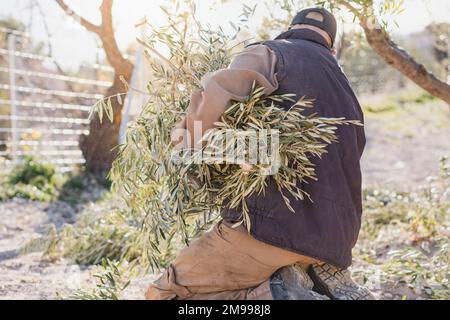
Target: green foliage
<point x="282" y="12"/>
<point x="75" y="182"/>
<point x="95" y="236"/>
<point x="38" y="181"/>
<point x="33" y="172"/>
<point x="301" y="138"/>
<point x="420" y="260"/>
<point x="380" y="108"/>
<point x="400" y="117"/>
<point x="393" y="104"/>
<point x="424" y="98"/>
<point x="72" y="187"/>
<point x="30" y="180"/>
<point x="102" y="232"/>
<point x="422" y="268"/>
<point x="194" y="51"/>
<point x="110" y="283"/>
<point x="23" y="191"/>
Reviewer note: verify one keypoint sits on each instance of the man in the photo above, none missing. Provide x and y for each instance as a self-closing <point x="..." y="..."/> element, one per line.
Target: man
<point x="301" y="255"/>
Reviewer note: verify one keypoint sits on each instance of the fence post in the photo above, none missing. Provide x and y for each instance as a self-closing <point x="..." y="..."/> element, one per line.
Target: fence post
<point x="130" y="96"/>
<point x="12" y="95"/>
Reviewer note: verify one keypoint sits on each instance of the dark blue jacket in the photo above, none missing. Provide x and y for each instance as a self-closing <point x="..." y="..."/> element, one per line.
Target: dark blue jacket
<point x="327" y="227"/>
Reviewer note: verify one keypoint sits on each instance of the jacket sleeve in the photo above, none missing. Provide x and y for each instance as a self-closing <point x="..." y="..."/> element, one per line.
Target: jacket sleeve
<point x="255" y="63"/>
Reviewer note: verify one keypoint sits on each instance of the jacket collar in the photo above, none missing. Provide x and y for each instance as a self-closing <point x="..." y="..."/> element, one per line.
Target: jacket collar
<point x="304" y="34"/>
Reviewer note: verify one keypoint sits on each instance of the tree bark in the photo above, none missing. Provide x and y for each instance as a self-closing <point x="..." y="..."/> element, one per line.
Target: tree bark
<point x="97" y="147"/>
<point x="401" y="60"/>
<point x="393" y="55"/>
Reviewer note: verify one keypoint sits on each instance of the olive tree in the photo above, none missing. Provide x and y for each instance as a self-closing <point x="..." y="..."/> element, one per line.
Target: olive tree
<point x="103" y="136"/>
<point x="369" y="15"/>
<point x="380" y="40"/>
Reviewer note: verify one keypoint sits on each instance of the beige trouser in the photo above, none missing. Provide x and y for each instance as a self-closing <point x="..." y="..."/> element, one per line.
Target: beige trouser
<point x="223" y="264"/>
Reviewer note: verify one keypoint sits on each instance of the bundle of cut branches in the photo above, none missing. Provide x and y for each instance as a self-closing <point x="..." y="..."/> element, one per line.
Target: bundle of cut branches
<point x="223" y="182"/>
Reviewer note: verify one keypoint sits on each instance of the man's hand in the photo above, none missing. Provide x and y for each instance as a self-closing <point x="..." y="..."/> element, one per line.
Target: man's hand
<point x="246" y="167"/>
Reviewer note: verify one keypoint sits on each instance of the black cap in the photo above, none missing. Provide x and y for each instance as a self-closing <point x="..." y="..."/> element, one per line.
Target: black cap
<point x="329" y="24"/>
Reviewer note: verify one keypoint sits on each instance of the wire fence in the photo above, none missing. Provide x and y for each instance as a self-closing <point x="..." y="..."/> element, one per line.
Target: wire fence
<point x="43" y="112"/>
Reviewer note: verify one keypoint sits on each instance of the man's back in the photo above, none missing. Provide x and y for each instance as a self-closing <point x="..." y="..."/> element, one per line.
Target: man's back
<point x="327" y="227"/>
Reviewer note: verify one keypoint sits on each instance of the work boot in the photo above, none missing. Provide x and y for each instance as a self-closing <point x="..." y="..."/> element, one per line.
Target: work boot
<point x="292" y="283"/>
<point x="337" y="284"/>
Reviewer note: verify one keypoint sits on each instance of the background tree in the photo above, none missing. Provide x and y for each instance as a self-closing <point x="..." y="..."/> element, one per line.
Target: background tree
<point x="369" y="15"/>
<point x="379" y="39"/>
<point x="103" y="136"/>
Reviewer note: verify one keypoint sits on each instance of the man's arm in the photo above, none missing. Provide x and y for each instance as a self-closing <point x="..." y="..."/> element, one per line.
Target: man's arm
<point x="255" y="63"/>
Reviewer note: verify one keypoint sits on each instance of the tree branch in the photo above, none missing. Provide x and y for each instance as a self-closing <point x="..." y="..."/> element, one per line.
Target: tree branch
<point x="50" y="47"/>
<point x="106" y="12"/>
<point x="121" y="65"/>
<point x="98" y="146"/>
<point x="394" y="55"/>
<point x="351" y="8"/>
<point x="106" y="33"/>
<point x="85" y="23"/>
<point x="401" y="60"/>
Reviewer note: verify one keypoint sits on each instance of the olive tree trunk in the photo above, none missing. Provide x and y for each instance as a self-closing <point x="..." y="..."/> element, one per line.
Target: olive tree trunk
<point x="98" y="146"/>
